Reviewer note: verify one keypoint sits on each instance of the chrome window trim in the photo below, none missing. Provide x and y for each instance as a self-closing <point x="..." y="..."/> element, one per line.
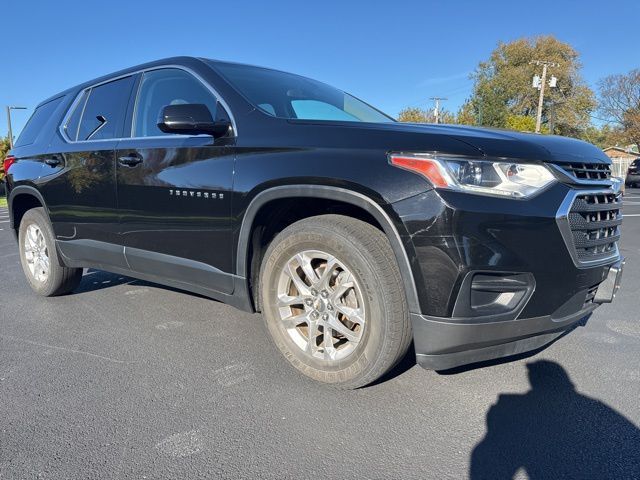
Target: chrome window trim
<point x="215" y="93"/>
<point x="562" y="220"/>
<point x="73" y="109"/>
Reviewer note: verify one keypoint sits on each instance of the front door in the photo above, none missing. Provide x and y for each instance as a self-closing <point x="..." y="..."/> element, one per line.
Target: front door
<point x="174" y="191"/>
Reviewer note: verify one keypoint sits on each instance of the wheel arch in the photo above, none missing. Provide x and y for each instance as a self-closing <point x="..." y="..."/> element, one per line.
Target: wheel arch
<point x="21" y="199"/>
<point x="356" y="199"/>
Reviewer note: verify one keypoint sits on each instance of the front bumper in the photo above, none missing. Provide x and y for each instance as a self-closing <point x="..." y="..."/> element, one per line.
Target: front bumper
<point x="445" y="343"/>
<point x="464" y="249"/>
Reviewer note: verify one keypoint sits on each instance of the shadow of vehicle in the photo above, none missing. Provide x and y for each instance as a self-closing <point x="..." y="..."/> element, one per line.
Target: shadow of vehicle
<point x="409" y="360"/>
<point x="94" y="280"/>
<point x="554" y="432"/>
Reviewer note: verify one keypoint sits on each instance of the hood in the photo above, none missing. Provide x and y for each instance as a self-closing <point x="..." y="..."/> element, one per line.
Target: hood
<point x="494" y="142"/>
<point x="548" y="148"/>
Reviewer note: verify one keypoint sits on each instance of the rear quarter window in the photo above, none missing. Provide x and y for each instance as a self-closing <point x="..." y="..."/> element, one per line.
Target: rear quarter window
<point x="104" y="111"/>
<point x="36" y="123"/>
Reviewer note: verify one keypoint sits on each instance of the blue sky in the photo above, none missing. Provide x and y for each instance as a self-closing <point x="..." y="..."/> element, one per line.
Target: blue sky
<point x="392" y="54"/>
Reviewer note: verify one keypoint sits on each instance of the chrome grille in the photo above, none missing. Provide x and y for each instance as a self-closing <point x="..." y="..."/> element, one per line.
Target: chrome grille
<point x="594" y="220"/>
<point x="587" y="171"/>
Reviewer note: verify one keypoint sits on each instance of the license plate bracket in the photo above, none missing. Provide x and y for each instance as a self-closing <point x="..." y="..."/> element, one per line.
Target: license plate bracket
<point x="611" y="284"/>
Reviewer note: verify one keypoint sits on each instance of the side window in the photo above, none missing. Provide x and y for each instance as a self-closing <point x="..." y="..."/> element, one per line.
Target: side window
<point x="167" y="86"/>
<point x="37" y="122"/>
<point x="105" y="110"/>
<point x="71" y="127"/>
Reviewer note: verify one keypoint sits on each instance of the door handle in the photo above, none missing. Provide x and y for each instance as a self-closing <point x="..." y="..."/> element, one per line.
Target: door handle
<point x="130" y="160"/>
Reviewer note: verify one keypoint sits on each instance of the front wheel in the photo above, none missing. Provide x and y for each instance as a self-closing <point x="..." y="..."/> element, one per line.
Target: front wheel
<point x="37" y="254"/>
<point x="333" y="300"/>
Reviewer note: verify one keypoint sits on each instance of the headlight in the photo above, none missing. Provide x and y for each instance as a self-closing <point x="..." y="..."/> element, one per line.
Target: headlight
<point x="501" y="178"/>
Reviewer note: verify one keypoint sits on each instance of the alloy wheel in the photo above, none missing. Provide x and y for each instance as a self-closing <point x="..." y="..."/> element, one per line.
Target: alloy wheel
<point x="36" y="253"/>
<point x="321" y="305"/>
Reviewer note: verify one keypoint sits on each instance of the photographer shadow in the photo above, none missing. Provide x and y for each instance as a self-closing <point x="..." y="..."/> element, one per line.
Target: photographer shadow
<point x="552" y="431"/>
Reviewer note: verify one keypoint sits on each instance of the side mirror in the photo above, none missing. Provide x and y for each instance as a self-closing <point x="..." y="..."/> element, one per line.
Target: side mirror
<point x="191" y="119"/>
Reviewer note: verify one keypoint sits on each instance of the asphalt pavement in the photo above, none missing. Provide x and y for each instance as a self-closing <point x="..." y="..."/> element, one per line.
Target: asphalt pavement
<point x="126" y="379"/>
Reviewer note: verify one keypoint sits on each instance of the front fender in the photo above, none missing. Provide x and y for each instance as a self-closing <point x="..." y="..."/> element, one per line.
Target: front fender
<point x="334" y="193"/>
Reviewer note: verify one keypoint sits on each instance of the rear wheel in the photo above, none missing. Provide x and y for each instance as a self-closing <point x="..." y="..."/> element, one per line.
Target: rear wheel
<point x="333" y="300"/>
<point x="37" y="255"/>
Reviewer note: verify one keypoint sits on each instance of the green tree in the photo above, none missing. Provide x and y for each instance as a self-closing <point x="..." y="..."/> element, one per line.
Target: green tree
<point x="503" y="87"/>
<point x="418" y="115"/>
<point x="523" y="123"/>
<point x="412" y="115"/>
<point x="605" y="136"/>
<point x="467" y="114"/>
<point x="4" y="148"/>
<point x="620" y="103"/>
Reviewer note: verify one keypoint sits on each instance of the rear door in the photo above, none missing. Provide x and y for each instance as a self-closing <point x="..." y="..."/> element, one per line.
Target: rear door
<point x="78" y="181"/>
<point x="174" y="191"/>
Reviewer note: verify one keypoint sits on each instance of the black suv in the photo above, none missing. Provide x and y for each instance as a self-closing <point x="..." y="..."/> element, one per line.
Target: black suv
<point x="353" y="234"/>
<point x="633" y="174"/>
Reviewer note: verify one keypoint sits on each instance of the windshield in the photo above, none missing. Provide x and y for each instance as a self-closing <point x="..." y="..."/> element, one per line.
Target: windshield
<point x="286" y="95"/>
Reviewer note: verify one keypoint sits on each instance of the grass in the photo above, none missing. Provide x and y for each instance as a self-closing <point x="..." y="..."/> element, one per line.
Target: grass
<point x="3" y="202"/>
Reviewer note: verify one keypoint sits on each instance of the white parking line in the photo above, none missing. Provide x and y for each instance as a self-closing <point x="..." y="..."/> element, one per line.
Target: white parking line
<point x="631" y="215"/>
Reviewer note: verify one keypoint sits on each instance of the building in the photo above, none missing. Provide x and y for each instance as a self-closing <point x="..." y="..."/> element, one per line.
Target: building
<point x="621" y="157"/>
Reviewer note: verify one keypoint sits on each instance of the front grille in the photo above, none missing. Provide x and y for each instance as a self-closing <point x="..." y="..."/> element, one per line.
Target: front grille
<point x="595" y="220"/>
<point x="587" y="171"/>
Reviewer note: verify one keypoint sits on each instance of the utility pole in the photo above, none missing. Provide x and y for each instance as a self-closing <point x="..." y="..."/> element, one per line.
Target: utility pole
<point x="540" y="83"/>
<point x="9" y="108"/>
<point x="436" y="110"/>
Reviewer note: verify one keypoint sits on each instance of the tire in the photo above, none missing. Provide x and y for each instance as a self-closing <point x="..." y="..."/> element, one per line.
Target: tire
<point x="57" y="280"/>
<point x="364" y="282"/>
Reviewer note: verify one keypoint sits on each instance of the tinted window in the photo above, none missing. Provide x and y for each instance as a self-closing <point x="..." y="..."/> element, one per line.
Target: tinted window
<point x="169" y="86"/>
<point x="37" y="121"/>
<point x="316" y="110"/>
<point x="71" y="128"/>
<point x="105" y="109"/>
<point x="292" y="96"/>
